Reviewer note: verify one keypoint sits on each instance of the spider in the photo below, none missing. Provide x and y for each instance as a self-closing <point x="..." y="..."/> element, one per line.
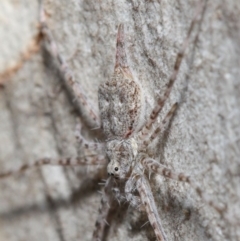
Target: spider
<point x="121" y="104"/>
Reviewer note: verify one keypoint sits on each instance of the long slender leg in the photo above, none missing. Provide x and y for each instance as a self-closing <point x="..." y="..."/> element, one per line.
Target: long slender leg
<point x="66" y="72"/>
<point x="76" y="161"/>
<point x="107" y="203"/>
<point x="161" y="127"/>
<point x="150" y="207"/>
<point x="155" y="167"/>
<point x="160" y="103"/>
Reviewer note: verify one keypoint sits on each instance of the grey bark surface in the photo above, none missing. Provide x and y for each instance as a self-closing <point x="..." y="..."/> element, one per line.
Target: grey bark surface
<point x="38" y="118"/>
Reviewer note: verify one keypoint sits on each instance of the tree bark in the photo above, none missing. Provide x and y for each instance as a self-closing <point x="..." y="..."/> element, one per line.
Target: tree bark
<point x="38" y="117"/>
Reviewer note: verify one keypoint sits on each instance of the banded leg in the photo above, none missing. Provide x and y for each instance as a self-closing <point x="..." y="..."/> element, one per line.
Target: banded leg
<point x="92" y="146"/>
<point x="161" y="126"/>
<point x="150" y="207"/>
<point x="76" y="161"/>
<point x="155" y="167"/>
<point x="107" y="203"/>
<point x="66" y="72"/>
<point x="161" y="101"/>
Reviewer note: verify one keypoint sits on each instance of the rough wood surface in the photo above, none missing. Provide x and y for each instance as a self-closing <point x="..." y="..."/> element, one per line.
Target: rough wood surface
<point x="37" y="117"/>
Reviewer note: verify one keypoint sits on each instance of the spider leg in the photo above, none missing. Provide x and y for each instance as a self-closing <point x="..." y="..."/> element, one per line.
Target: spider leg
<point x="107" y="204"/>
<point x="150" y="207"/>
<point x="161" y="101"/>
<point x="93" y="146"/>
<point x="68" y="77"/>
<point x="155" y="167"/>
<point x="161" y="127"/>
<point x="134" y="200"/>
<point x="118" y="195"/>
<point x="75" y="161"/>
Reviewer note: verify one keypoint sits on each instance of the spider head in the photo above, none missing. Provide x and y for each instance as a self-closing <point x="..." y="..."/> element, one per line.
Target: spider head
<point x="121" y="155"/>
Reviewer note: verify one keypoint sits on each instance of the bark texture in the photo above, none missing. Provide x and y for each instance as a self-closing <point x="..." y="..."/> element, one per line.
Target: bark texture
<point x="37" y="116"/>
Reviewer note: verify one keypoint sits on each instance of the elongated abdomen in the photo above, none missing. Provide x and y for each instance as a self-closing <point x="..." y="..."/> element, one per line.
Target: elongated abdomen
<point x="120" y="104"/>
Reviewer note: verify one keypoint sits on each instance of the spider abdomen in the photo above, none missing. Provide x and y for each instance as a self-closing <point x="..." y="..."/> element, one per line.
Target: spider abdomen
<point x="121" y="104"/>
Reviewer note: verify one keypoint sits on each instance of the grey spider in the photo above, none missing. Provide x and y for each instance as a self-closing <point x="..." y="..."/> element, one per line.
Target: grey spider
<point x="122" y="105"/>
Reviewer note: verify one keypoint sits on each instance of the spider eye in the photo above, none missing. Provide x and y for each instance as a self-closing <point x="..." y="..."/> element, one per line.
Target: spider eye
<point x="116" y="169"/>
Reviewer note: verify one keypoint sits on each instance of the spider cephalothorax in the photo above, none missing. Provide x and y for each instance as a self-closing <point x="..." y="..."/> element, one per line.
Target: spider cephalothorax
<point x="122" y="156"/>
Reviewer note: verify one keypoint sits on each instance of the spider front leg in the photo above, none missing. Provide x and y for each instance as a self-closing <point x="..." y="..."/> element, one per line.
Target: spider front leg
<point x="68" y="77"/>
<point x="92" y="155"/>
<point x="147" y="199"/>
<point x="75" y="161"/>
